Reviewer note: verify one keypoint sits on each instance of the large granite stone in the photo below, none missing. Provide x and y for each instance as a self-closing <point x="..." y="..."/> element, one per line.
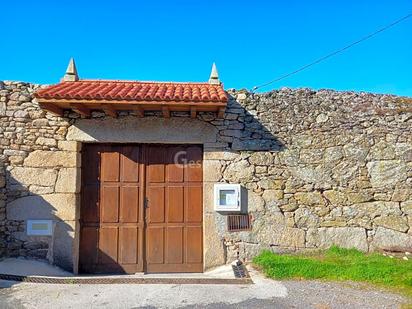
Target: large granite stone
<point x="59" y="206"/>
<point x="394" y="222"/>
<point x="32" y="176"/>
<point x="387" y="173"/>
<point x="142" y="130"/>
<point x="345" y="237"/>
<point x="63" y="245"/>
<point x="386" y="238"/>
<point x="68" y="180"/>
<point x="239" y="172"/>
<point x="304" y="218"/>
<point x="52" y="159"/>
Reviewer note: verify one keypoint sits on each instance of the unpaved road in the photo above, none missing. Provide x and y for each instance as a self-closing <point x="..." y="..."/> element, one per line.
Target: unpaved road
<point x="264" y="293"/>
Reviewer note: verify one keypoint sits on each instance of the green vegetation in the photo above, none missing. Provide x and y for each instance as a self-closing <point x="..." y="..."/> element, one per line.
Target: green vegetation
<point x="340" y="264"/>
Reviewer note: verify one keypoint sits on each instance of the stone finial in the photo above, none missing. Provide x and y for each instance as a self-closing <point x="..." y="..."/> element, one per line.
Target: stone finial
<point x="71" y="72"/>
<point x="214" y="76"/>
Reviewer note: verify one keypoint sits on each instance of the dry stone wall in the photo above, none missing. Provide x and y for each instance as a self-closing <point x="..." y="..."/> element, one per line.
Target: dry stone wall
<point x="36" y="177"/>
<point x="318" y="168"/>
<point x="321" y="168"/>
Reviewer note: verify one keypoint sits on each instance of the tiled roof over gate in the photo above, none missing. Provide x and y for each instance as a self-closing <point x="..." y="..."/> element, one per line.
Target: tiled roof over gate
<point x="113" y="96"/>
<point x="134" y="91"/>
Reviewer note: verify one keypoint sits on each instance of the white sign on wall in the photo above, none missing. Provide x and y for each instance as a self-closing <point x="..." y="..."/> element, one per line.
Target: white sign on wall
<point x="39" y="227"/>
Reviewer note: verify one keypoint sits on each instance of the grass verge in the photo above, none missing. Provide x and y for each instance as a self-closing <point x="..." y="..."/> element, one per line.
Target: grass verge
<point x="338" y="264"/>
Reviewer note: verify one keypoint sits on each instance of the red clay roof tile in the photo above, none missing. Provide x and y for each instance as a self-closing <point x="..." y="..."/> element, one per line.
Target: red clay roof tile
<point x="134" y="91"/>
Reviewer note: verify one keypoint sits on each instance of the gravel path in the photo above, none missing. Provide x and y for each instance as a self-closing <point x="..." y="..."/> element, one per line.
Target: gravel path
<point x="323" y="295"/>
<point x="264" y="294"/>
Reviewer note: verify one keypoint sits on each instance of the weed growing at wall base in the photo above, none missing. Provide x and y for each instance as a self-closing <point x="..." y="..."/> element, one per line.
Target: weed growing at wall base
<point x="340" y="264"/>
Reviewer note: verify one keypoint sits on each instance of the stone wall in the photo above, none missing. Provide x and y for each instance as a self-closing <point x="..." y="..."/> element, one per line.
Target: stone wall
<point x="319" y="168"/>
<point x="36" y="176"/>
<point x="339" y="169"/>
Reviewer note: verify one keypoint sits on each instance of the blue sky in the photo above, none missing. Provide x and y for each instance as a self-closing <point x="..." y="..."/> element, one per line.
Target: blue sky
<point x="251" y="42"/>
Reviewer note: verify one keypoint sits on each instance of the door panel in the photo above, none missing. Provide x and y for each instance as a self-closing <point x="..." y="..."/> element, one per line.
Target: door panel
<point x="194" y="169"/>
<point x="117" y="233"/>
<point x="88" y="245"/>
<point x="91" y="171"/>
<point x="175" y="172"/>
<point x="156" y="168"/>
<point x="174" y="245"/>
<point x="90" y="207"/>
<point x="108" y="237"/>
<point x="109" y="203"/>
<point x="109" y="167"/>
<point x="128" y="245"/>
<point x="194" y="244"/>
<point x="174" y="208"/>
<point x="155" y="245"/>
<point x="175" y="204"/>
<point x="129" y="204"/>
<point x="130" y="166"/>
<point x="156" y="199"/>
<point x="194" y="211"/>
<point x="111" y="214"/>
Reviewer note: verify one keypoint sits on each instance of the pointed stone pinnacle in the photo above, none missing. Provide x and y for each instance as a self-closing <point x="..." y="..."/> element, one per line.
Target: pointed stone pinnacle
<point x="214" y="76"/>
<point x="71" y="72"/>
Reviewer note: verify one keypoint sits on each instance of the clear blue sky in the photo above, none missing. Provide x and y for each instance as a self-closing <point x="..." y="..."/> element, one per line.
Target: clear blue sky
<point x="250" y="41"/>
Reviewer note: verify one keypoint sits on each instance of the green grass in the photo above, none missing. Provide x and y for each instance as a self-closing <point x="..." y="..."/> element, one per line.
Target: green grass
<point x="338" y="264"/>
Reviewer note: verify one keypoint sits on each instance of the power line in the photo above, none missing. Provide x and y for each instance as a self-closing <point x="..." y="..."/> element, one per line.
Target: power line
<point x="334" y="52"/>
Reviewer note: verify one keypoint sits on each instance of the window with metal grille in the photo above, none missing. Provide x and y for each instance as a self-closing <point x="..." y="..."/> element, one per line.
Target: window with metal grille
<point x="236" y="223"/>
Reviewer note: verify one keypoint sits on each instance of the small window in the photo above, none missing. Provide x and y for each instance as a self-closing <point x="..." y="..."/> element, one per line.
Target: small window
<point x="237" y="223"/>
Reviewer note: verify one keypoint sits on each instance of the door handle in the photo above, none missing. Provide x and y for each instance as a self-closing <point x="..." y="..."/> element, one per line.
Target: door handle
<point x="146" y="202"/>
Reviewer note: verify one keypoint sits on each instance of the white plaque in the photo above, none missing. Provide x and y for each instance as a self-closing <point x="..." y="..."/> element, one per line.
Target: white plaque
<point x="39" y="227"/>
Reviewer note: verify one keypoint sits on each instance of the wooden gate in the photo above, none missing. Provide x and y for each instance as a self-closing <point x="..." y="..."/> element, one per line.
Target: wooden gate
<point x="141" y="209"/>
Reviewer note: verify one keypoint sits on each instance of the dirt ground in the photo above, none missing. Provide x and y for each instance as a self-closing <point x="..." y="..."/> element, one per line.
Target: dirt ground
<point x="264" y="293"/>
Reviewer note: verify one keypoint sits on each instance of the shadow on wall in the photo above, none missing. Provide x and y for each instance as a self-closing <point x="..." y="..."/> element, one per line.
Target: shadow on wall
<point x="240" y="130"/>
<point x="244" y="131"/>
<point x="57" y="248"/>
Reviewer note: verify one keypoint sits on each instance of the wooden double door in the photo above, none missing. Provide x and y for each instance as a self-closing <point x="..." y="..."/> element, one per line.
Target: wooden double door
<point x="141" y="208"/>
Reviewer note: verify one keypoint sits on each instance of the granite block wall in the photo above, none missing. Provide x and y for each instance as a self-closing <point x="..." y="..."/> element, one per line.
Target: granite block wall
<point x="318" y="167"/>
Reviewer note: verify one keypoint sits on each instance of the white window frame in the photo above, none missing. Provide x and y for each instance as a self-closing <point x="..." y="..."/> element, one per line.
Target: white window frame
<point x="224" y="186"/>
